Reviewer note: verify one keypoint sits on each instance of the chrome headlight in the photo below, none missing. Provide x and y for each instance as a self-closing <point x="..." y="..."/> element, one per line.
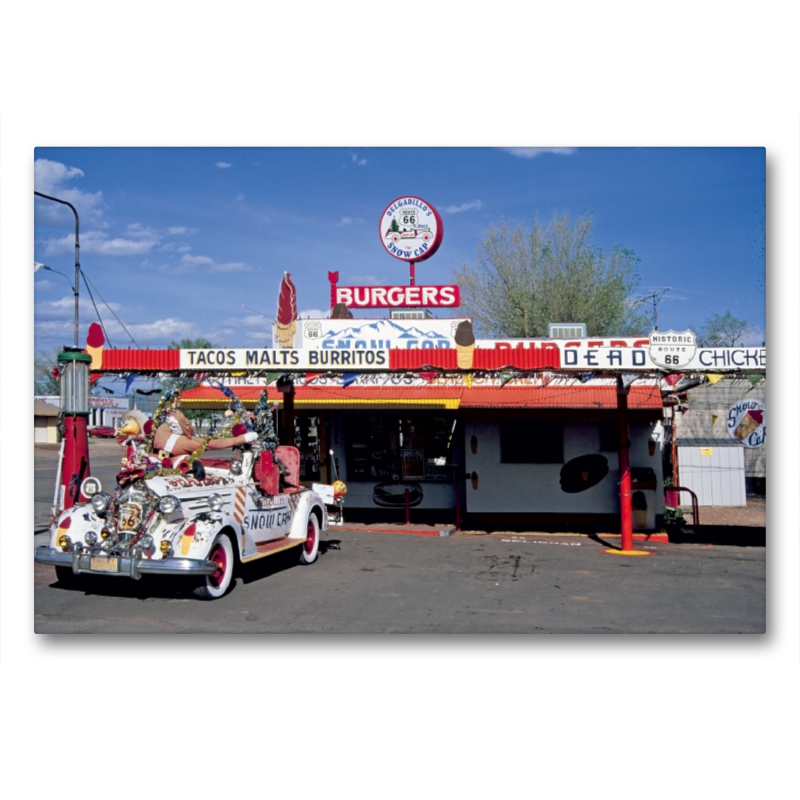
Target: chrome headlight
<point x="146" y="541"/>
<point x="91" y="486"/>
<point x="236" y="467"/>
<point x="215" y="502"/>
<point x="90" y="538"/>
<point x="168" y="504"/>
<point x="100" y="502"/>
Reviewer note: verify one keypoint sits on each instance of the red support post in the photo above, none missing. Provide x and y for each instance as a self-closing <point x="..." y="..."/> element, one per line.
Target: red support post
<point x="626" y="513"/>
<point x="411" y="267"/>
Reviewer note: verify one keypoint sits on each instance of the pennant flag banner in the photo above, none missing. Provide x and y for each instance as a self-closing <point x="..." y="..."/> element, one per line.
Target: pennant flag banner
<point x="128" y="381"/>
<point x="714" y="377"/>
<point x="505" y="377"/>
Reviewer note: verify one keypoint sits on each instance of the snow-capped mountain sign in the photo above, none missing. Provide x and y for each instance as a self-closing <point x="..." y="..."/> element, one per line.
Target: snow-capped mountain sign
<point x="378" y="333"/>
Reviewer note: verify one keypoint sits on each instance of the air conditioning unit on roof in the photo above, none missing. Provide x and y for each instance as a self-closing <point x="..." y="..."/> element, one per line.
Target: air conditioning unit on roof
<point x="567" y="330"/>
<point x="419" y="313"/>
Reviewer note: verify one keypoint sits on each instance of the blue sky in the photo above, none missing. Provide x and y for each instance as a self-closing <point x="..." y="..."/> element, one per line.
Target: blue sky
<point x="187" y="242"/>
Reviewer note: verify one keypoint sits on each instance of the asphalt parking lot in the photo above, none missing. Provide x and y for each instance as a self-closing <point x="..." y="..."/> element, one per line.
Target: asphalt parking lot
<point x="367" y="581"/>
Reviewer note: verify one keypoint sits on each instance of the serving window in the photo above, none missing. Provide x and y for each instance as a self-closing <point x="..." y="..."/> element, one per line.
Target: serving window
<point x="395" y="447"/>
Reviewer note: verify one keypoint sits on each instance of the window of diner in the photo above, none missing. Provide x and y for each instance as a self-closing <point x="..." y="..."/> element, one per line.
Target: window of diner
<point x="609" y="436"/>
<point x="531" y="441"/>
<point x="307" y="439"/>
<point x="400" y="447"/>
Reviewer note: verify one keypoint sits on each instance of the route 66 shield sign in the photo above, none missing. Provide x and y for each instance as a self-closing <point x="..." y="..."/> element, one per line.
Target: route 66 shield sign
<point x="672" y="350"/>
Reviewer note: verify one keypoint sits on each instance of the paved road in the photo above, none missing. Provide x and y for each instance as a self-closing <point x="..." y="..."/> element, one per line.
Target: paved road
<point x="386" y="583"/>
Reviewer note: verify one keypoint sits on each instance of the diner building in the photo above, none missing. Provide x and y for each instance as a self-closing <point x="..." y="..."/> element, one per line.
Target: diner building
<point x="534" y="447"/>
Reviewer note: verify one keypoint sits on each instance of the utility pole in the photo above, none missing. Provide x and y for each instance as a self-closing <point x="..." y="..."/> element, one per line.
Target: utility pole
<point x="77" y="255"/>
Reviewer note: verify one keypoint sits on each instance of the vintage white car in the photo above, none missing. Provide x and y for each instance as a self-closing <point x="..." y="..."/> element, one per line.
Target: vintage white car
<point x="199" y="523"/>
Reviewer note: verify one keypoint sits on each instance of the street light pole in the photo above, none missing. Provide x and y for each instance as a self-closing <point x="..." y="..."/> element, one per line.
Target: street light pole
<point x="77" y="254"/>
<point x="37" y="266"/>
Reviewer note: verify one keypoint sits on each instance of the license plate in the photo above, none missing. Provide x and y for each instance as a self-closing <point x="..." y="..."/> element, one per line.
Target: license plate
<point x="99" y="564"/>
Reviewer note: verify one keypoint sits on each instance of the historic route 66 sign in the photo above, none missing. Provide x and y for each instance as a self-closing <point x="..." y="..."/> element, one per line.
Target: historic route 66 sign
<point x="672" y="350"/>
<point x="411" y="229"/>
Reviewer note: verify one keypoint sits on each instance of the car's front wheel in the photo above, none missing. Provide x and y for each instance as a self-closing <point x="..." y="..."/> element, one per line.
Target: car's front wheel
<point x="310" y="551"/>
<point x="217" y="585"/>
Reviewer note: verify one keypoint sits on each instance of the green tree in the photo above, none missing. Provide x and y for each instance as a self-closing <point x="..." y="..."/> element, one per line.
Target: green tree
<point x="190" y="344"/>
<point x="724" y="330"/>
<point x="527" y="278"/>
<point x="43" y="364"/>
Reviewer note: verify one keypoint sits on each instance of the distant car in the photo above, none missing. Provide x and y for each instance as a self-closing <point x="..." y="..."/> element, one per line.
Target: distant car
<point x="103" y="431"/>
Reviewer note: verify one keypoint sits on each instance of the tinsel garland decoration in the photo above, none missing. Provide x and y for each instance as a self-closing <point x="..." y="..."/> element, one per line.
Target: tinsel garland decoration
<point x="169" y="398"/>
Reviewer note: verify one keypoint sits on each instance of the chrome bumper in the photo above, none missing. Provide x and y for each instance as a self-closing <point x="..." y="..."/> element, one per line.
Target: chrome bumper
<point x="128" y="566"/>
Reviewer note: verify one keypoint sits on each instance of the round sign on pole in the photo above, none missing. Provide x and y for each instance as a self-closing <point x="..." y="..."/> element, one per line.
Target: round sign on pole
<point x="411" y="229"/>
<point x="747" y="423"/>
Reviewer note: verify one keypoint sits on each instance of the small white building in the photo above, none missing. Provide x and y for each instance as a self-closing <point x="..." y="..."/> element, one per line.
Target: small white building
<point x="45" y="422"/>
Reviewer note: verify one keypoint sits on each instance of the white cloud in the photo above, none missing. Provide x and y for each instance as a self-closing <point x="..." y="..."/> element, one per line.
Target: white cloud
<point x="99" y="243"/>
<point x="176" y="231"/>
<point x="137" y="230"/>
<point x="232" y="266"/>
<point x="50" y="177"/>
<point x="161" y="329"/>
<point x="532" y="152"/>
<point x="356" y="160"/>
<point x="197" y="261"/>
<point x="223" y="164"/>
<point x="345" y="221"/>
<point x="313" y="313"/>
<point x="174" y="247"/>
<point x="65" y="309"/>
<point x="188" y="262"/>
<point x="475" y="205"/>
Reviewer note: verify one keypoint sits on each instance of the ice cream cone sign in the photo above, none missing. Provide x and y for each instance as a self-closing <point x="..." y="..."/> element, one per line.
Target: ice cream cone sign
<point x="94" y="345"/>
<point x="465" y="344"/>
<point x="286" y="320"/>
